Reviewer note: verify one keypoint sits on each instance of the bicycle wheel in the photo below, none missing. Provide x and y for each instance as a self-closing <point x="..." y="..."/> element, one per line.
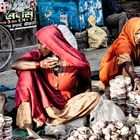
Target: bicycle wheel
<point x="6" y="47"/>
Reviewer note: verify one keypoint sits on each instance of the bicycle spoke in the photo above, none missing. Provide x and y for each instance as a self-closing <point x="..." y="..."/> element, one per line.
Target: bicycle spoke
<point x="6" y="47"/>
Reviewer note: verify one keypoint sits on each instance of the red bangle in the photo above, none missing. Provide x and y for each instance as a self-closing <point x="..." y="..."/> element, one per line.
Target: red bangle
<point x="37" y="64"/>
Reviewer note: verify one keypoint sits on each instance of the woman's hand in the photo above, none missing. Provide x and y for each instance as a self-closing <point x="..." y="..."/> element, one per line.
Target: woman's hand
<point x="22" y="64"/>
<point x="137" y="84"/>
<point x="49" y="62"/>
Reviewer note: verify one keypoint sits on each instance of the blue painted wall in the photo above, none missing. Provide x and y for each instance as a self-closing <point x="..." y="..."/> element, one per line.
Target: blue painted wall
<point x="73" y="13"/>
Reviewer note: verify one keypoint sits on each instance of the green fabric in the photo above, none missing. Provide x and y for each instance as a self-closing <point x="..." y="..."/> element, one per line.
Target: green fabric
<point x="19" y="133"/>
<point x="24" y="134"/>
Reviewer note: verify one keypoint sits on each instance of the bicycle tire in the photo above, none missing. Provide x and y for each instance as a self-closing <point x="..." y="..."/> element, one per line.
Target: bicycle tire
<point x="6" y="47"/>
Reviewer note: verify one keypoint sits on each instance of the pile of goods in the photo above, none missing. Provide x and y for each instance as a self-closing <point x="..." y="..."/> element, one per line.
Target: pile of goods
<point x="119" y="87"/>
<point x="122" y="95"/>
<point x="5" y="127"/>
<point x="133" y="103"/>
<point x="137" y="70"/>
<point x="103" y="130"/>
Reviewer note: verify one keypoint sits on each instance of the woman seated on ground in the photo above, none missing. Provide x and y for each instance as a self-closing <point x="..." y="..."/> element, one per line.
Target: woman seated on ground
<point x="48" y="80"/>
<point x="123" y="54"/>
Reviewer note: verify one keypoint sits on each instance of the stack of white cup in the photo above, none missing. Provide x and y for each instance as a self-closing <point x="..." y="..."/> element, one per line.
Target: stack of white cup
<point x="137" y="70"/>
<point x="113" y="89"/>
<point x="133" y="103"/>
<point x="7" y="130"/>
<point x="119" y="87"/>
<point x="121" y="90"/>
<point x="1" y="126"/>
<point x="5" y="127"/>
<point x="118" y="90"/>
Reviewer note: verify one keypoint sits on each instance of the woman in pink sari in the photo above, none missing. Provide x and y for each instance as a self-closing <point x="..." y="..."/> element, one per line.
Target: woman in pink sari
<point x="54" y="82"/>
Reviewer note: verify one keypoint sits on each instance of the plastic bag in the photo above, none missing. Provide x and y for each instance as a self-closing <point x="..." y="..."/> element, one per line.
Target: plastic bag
<point x="68" y="35"/>
<point x="106" y="110"/>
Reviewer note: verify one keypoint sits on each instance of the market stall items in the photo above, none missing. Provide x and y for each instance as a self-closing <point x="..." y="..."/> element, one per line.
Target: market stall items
<point x="121" y="92"/>
<point x="119" y="87"/>
<point x="104" y="130"/>
<point x="5" y="127"/>
<point x="133" y="103"/>
<point x="137" y="70"/>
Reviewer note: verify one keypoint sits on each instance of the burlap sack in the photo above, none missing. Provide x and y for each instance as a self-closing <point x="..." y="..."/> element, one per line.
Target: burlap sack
<point x="97" y="37"/>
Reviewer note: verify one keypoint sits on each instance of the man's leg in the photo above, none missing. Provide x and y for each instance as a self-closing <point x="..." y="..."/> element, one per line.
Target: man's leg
<point x="122" y="21"/>
<point x="116" y="21"/>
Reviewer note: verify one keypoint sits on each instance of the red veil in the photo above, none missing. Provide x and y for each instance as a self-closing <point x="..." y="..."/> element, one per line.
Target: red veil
<point x="53" y="38"/>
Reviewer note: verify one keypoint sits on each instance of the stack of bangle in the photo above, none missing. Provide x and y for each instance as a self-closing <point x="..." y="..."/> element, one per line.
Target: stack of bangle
<point x="37" y="64"/>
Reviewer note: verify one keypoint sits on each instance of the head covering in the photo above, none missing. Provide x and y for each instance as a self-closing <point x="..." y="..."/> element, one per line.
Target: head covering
<point x="128" y="31"/>
<point x="125" y="43"/>
<point x="52" y="37"/>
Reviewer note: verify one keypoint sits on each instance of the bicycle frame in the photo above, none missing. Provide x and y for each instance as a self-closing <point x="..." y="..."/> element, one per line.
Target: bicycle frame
<point x="16" y="15"/>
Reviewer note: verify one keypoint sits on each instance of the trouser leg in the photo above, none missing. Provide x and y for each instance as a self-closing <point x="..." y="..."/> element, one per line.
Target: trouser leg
<point x="28" y="99"/>
<point x="122" y="21"/>
<point x="116" y="21"/>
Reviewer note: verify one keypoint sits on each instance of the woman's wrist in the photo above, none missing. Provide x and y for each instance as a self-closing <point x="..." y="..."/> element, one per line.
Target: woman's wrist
<point x="130" y="70"/>
<point x="37" y="64"/>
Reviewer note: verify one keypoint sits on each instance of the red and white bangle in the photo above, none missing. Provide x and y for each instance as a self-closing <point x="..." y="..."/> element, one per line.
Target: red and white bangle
<point x="37" y="64"/>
